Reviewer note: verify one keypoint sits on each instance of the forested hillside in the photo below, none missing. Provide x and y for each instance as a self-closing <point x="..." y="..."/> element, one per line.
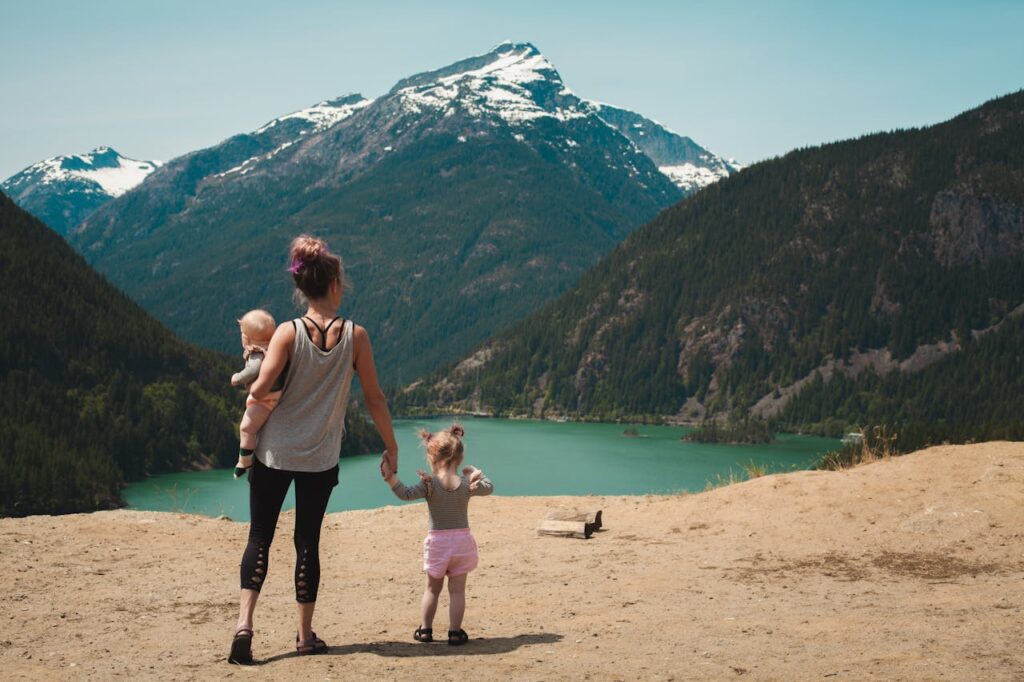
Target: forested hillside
<point x="973" y="395"/>
<point x="860" y="257"/>
<point x="94" y="392"/>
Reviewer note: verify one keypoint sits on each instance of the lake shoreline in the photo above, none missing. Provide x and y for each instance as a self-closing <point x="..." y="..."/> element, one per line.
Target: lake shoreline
<point x="524" y="458"/>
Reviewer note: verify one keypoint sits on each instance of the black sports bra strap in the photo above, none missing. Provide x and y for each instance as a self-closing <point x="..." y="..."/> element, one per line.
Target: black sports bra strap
<point x="328" y="328"/>
<point x="323" y="330"/>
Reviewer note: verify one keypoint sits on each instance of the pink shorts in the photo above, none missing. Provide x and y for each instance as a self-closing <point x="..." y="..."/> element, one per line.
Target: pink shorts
<point x="449" y="552"/>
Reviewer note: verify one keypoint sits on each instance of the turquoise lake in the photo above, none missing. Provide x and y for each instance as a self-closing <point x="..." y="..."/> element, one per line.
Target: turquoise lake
<point x="520" y="457"/>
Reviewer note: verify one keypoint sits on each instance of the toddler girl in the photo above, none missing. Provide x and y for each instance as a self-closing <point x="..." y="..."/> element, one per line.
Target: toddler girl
<point x="257" y="328"/>
<point x="449" y="548"/>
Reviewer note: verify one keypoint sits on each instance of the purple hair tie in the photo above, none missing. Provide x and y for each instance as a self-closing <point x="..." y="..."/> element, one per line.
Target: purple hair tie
<point x="296" y="266"/>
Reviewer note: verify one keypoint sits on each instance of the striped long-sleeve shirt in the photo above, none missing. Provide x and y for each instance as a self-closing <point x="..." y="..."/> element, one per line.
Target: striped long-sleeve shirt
<point x="448" y="508"/>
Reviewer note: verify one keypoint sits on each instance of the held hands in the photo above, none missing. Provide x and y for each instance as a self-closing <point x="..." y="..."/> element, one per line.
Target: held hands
<point x="388" y="463"/>
<point x="386" y="472"/>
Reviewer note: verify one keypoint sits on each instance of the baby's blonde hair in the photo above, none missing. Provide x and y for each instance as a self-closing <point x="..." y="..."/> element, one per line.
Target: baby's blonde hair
<point x="444" y="447"/>
<point x="257" y="324"/>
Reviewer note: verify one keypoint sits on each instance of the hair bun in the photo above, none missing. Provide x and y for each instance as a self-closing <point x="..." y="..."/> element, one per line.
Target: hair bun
<point x="307" y="248"/>
<point x="457" y="431"/>
<point x="425" y="435"/>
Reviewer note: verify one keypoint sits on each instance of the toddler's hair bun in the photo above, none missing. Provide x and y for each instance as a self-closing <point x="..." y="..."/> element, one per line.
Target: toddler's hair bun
<point x="457" y="431"/>
<point x="425" y="435"/>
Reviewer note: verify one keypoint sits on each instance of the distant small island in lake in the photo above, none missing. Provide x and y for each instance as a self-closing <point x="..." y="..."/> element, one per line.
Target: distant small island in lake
<point x="752" y="431"/>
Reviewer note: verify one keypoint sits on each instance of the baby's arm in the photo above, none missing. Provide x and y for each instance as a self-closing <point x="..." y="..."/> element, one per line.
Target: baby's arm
<point x="250" y="372"/>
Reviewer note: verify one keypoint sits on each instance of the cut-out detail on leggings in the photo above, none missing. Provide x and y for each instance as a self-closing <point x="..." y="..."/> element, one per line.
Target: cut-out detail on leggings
<point x="256" y="579"/>
<point x="268" y="490"/>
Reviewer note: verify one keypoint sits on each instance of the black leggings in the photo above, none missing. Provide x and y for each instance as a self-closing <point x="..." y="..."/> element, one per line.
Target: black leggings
<point x="267" y="490"/>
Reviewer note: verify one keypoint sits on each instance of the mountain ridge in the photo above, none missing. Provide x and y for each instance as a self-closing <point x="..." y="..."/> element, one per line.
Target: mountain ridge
<point x="456" y="174"/>
<point x="754" y="283"/>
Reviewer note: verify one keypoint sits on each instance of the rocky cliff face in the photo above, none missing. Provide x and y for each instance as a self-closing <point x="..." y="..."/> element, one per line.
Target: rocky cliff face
<point x="973" y="229"/>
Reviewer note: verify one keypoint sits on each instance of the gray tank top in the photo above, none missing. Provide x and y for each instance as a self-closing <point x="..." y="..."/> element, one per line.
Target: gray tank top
<point x="304" y="431"/>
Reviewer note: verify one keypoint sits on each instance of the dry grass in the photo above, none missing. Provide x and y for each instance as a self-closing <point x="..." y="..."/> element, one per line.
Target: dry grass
<point x="875" y="444"/>
<point x="720" y="481"/>
<point x="754" y="470"/>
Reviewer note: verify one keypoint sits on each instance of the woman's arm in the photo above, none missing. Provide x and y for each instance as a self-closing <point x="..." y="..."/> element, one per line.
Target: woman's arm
<point x="373" y="396"/>
<point x="274" y="362"/>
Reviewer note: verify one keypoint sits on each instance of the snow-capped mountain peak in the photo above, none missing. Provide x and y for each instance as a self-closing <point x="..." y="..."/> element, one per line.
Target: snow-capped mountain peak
<point x="62" y="190"/>
<point x="513" y="81"/>
<point x="516" y="83"/>
<point x="105" y="169"/>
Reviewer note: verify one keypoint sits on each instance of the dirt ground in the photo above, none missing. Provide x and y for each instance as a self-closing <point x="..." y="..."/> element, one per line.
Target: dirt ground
<point x="904" y="569"/>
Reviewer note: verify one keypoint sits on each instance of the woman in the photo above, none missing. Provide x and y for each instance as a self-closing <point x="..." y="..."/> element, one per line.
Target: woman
<point x="301" y="440"/>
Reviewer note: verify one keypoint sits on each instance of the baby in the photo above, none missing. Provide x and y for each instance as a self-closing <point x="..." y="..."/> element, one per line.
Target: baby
<point x="257" y="328"/>
<point x="449" y="548"/>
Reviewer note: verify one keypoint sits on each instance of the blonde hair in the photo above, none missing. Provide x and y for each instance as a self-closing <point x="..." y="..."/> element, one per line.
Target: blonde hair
<point x="445" y="446"/>
<point x="257" y="324"/>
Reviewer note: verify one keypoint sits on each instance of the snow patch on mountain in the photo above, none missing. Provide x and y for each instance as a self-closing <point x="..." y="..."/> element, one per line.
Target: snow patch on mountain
<point x="691" y="177"/>
<point x="249" y="163"/>
<point x="683" y="161"/>
<point x="101" y="171"/>
<point x="322" y="115"/>
<point x="314" y="119"/>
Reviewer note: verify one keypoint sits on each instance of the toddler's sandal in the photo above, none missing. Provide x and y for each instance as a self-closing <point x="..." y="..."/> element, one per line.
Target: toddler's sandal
<point x="423" y="635"/>
<point x="240" y="471"/>
<point x="313" y="645"/>
<point x="457" y="637"/>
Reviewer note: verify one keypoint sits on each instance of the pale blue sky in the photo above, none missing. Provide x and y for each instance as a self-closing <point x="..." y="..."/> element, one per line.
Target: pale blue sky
<point x="749" y="80"/>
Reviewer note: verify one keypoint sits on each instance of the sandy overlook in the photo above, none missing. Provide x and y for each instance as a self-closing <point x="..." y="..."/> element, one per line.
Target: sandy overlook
<point x="909" y="568"/>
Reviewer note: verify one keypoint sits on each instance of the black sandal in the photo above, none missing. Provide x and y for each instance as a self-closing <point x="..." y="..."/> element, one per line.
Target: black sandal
<point x="241" y="471"/>
<point x="423" y="635"/>
<point x="241" y="648"/>
<point x="313" y="645"/>
<point x="457" y="637"/>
